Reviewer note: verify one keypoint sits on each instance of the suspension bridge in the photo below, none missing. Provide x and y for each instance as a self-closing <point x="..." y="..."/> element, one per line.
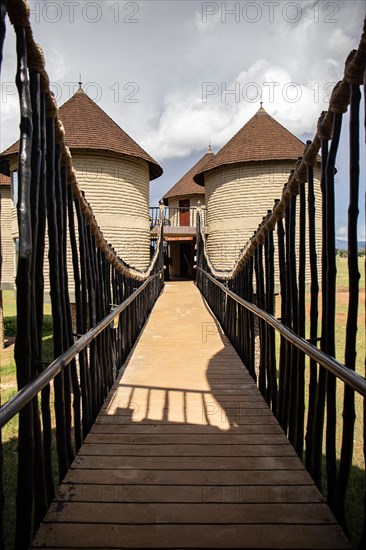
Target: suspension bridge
<point x="179" y="414"/>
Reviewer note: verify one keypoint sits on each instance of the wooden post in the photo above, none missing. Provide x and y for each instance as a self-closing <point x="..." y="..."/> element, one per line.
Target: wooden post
<point x="349" y="413"/>
<point x="23" y="342"/>
<point x="2" y="343"/>
<point x="314" y="314"/>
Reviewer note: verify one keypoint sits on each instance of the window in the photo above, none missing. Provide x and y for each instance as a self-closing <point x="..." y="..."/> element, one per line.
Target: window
<point x="184" y="212"/>
<point x="16" y="254"/>
<point x="14" y="187"/>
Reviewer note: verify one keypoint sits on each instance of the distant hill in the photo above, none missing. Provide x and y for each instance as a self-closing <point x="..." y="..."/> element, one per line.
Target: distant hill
<point x="343" y="245"/>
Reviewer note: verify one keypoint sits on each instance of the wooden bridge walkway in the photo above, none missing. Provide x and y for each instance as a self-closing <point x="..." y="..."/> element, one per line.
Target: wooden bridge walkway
<point x="186" y="454"/>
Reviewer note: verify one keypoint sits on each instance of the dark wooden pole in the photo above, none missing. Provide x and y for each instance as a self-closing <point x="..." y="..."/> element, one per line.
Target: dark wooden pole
<point x="314" y="295"/>
<point x="258" y="258"/>
<point x="39" y="289"/>
<point x="62" y="431"/>
<point x="329" y="312"/>
<point x="271" y="351"/>
<point x="349" y="414"/>
<point x="300" y="391"/>
<point x="23" y="344"/>
<point x="40" y="492"/>
<point x="288" y="322"/>
<point x="283" y="366"/>
<point x="293" y="312"/>
<point x="317" y="446"/>
<point x="71" y="372"/>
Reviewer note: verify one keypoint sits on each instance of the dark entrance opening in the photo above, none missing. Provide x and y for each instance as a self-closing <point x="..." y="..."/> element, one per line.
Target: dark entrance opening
<point x="186" y="260"/>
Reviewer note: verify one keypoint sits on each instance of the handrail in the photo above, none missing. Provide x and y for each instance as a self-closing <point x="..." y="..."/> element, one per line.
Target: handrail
<point x="82" y="372"/>
<point x="168" y="207"/>
<point x="26" y="394"/>
<point x="349" y="377"/>
<point x="172" y="215"/>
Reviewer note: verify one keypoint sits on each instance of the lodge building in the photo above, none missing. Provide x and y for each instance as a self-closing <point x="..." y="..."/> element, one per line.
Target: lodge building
<point x="180" y="227"/>
<point x="235" y="187"/>
<point x="112" y="170"/>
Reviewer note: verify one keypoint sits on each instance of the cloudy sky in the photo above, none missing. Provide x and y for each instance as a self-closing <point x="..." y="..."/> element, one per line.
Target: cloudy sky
<point x="178" y="74"/>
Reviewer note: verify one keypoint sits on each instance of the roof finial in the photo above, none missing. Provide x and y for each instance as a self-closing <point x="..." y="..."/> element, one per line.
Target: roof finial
<point x="80" y="83"/>
<point x="261" y="101"/>
<point x="209" y="147"/>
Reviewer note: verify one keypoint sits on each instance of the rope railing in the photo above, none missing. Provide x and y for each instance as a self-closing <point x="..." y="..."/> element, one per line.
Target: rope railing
<point x="296" y="369"/>
<point x="91" y="337"/>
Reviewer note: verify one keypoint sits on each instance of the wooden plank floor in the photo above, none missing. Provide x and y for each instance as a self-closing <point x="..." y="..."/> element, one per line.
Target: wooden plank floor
<point x="186" y="454"/>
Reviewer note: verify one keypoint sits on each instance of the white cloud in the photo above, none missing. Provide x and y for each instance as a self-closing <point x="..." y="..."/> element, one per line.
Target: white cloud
<point x="217" y="109"/>
<point x="170" y="52"/>
<point x="341" y="232"/>
<point x="56" y="65"/>
<point x="362" y="233"/>
<point x="205" y="20"/>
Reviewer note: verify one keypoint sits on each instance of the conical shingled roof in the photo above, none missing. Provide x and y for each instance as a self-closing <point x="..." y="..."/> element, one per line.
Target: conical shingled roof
<point x="186" y="185"/>
<point x="262" y="138"/>
<point x="87" y="126"/>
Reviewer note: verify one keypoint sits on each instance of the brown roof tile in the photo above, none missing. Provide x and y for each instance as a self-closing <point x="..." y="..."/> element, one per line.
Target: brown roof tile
<point x="186" y="185"/>
<point x="4" y="180"/>
<point x="87" y="126"/>
<point x="262" y="138"/>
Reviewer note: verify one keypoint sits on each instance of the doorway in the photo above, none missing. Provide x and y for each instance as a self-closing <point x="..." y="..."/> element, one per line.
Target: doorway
<point x="181" y="254"/>
<point x="186" y="260"/>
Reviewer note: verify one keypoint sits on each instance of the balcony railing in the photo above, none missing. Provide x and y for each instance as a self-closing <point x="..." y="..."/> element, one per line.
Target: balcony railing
<point x="176" y="217"/>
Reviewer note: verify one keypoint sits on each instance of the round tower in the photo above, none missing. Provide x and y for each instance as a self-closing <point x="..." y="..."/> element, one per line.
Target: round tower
<point x="113" y="171"/>
<point x="242" y="181"/>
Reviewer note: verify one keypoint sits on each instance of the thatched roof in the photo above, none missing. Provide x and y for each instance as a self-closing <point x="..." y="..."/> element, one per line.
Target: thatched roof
<point x="262" y="138"/>
<point x="87" y="126"/>
<point x="186" y="185"/>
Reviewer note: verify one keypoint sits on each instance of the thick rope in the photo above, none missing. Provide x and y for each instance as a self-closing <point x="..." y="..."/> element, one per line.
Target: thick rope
<point x="18" y="11"/>
<point x="339" y="101"/>
<point x="216" y="273"/>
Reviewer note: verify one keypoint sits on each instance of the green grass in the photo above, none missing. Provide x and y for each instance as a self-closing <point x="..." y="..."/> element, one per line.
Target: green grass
<point x="355" y="505"/>
<point x="356" y="491"/>
<point x="342" y="309"/>
<point x="342" y="272"/>
<point x="10" y="315"/>
<point x="10" y="304"/>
